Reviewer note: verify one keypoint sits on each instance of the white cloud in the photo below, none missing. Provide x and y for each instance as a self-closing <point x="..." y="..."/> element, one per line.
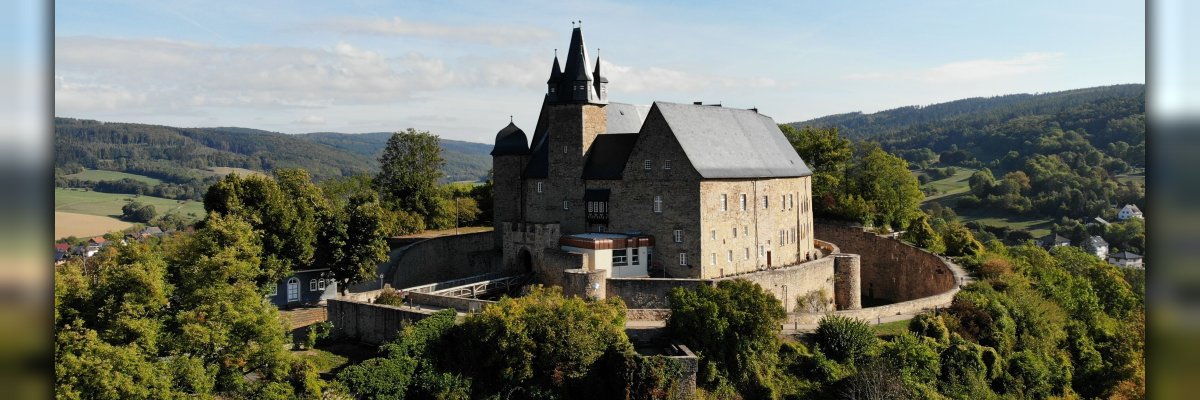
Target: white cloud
<point x="491" y="34"/>
<point x="108" y="74"/>
<point x="310" y="120"/>
<point x="968" y="70"/>
<point x="982" y="69"/>
<point x="631" y="79"/>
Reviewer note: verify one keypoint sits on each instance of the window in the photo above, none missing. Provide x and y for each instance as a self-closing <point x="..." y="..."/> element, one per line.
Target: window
<point x="683" y="259"/>
<point x="633" y="256"/>
<point x="761" y="251"/>
<point x="312" y="285"/>
<point x="564" y="149"/>
<point x="714" y="234"/>
<point x="791" y="201"/>
<point x="714" y="258"/>
<point x="765" y="203"/>
<point x="743" y="199"/>
<point x="729" y="256"/>
<point x="747" y="253"/>
<point x="782" y="236"/>
<point x="735" y="232"/>
<point x="552" y="89"/>
<point x="783" y="202"/>
<point x="724" y="202"/>
<point x="321" y="284"/>
<point x="275" y="289"/>
<point x="658" y="204"/>
<point x="619" y="258"/>
<point x="646" y="165"/>
<point x="667" y="164"/>
<point x="539" y="187"/>
<point x="678" y="236"/>
<point x="566" y="205"/>
<point x="746" y="231"/>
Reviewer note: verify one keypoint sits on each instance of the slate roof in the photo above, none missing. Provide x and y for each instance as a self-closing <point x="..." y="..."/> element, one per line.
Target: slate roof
<point x="625" y="118"/>
<point x="539" y="162"/>
<point x="725" y="142"/>
<point x="608" y="155"/>
<point x="1125" y="255"/>
<point x="510" y="141"/>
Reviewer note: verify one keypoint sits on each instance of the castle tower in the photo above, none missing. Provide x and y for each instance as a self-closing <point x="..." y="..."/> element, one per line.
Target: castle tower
<point x="510" y="154"/>
<point x="575" y="115"/>
<point x="601" y="81"/>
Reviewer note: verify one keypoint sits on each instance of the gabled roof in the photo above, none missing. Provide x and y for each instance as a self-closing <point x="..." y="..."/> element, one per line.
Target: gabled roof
<point x="725" y="142"/>
<point x="510" y="141"/>
<point x="625" y="118"/>
<point x="607" y="157"/>
<point x="1132" y="208"/>
<point x="98" y="240"/>
<point x="1055" y="238"/>
<point x="1096" y="241"/>
<point x="1125" y="255"/>
<point x="62" y="246"/>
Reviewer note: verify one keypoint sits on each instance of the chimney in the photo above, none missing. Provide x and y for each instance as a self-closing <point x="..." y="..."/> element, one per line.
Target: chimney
<point x="697" y="103"/>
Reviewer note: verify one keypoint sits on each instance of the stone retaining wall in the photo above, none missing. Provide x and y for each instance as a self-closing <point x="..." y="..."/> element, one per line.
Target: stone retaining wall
<point x="647" y="314"/>
<point x="370" y="323"/>
<point x="445" y="258"/>
<point x="788" y="283"/>
<point x="871" y="314"/>
<point x="891" y="270"/>
<point x="302" y="317"/>
<point x="458" y="303"/>
<point x="648" y="292"/>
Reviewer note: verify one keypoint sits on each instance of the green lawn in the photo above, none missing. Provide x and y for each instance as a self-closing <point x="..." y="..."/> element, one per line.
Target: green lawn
<point x="951" y="185"/>
<point x="891" y="329"/>
<point x="109" y="204"/>
<point x="102" y="175"/>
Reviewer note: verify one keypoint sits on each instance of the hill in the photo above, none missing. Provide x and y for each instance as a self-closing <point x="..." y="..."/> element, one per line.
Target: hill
<point x="187" y="157"/>
<point x="465" y="161"/>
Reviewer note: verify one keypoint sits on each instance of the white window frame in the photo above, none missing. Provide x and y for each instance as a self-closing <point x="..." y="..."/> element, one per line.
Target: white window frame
<point x="714" y="258"/>
<point x="667" y="164"/>
<point x="321" y="284"/>
<point x="766" y="202"/>
<point x="678" y="236"/>
<point x="724" y="202"/>
<point x="620" y="258"/>
<point x="566" y="204"/>
<point x="312" y="285"/>
<point x="275" y="289"/>
<point x="683" y="259"/>
<point x="647" y="165"/>
<point x="762" y="251"/>
<point x="634" y="256"/>
<point x="729" y="256"/>
<point x="713" y="235"/>
<point x="540" y="187"/>
<point x="743" y="201"/>
<point x="747" y="251"/>
<point x="658" y="204"/>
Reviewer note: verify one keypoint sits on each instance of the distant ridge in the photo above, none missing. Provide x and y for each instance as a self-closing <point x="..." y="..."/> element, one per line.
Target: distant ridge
<point x="857" y="125"/>
<point x="165" y="151"/>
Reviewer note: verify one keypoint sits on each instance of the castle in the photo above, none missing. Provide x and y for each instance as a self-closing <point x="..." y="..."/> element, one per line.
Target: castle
<point x="665" y="191"/>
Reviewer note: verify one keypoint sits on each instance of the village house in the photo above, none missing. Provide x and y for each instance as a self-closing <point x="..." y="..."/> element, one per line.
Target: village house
<point x="1126" y="259"/>
<point x="1096" y="245"/>
<point x="1129" y="211"/>
<point x="1053" y="240"/>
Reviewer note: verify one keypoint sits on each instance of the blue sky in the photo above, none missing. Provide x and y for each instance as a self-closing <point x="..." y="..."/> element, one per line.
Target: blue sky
<point x="460" y="68"/>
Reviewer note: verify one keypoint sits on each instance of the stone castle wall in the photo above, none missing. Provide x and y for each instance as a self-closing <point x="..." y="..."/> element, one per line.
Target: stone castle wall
<point x="370" y="323"/>
<point x="784" y="283"/>
<point x="445" y="258"/>
<point x="891" y="270"/>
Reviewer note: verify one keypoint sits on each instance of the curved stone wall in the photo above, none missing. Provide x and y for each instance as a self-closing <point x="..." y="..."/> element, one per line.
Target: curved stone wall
<point x="891" y="271"/>
<point x="444" y="258"/>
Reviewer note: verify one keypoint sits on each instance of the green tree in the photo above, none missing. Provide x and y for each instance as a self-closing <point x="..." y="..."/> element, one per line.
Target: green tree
<point x="884" y="182"/>
<point x="733" y="327"/>
<point x="137" y="212"/>
<point x="921" y="234"/>
<point x="844" y="339"/>
<point x="409" y="171"/>
<point x="356" y="240"/>
<point x="287" y="227"/>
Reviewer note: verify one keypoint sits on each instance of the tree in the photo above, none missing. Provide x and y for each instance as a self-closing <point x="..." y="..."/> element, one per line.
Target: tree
<point x="284" y="219"/>
<point x="921" y="234"/>
<point x="356" y="240"/>
<point x="137" y="212"/>
<point x="409" y="171"/>
<point x="884" y="182"/>
<point x="844" y="339"/>
<point x="734" y="328"/>
<point x="960" y="241"/>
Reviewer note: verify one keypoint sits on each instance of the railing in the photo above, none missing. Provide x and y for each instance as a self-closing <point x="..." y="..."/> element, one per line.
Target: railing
<point x="439" y="286"/>
<point x="477" y="289"/>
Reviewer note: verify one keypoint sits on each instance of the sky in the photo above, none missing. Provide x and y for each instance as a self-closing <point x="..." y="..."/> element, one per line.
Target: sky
<point x="460" y="69"/>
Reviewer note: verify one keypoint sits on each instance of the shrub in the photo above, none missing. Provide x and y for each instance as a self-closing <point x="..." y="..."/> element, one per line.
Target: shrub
<point x="930" y="326"/>
<point x="391" y="297"/>
<point x="844" y="339"/>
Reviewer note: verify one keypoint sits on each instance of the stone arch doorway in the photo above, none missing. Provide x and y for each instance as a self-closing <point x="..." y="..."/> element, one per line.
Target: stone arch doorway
<point x="524" y="261"/>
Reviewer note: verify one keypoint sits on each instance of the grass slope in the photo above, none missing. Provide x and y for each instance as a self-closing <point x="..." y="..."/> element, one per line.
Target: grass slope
<point x="955" y="186"/>
<point x="109" y="204"/>
<point x="97" y="175"/>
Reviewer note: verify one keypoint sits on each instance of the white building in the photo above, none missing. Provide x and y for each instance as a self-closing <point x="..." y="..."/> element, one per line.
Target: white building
<point x="1129" y="211"/>
<point x="1126" y="259"/>
<point x="1096" y="245"/>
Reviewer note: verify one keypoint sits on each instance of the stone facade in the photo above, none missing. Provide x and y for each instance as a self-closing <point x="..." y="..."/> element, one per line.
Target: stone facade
<point x="891" y="271"/>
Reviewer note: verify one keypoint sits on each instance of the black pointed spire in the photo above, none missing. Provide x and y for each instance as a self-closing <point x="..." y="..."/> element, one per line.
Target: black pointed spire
<point x="576" y="83"/>
<point x="601" y="82"/>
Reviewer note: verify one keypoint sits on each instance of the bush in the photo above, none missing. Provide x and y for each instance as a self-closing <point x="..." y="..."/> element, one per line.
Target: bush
<point x="844" y="339"/>
<point x="930" y="326"/>
<point x="391" y="297"/>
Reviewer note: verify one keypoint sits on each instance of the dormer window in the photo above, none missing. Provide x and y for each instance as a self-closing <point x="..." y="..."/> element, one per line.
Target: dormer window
<point x="552" y="89"/>
<point x="667" y="164"/>
<point x="539" y="187"/>
<point x="647" y="165"/>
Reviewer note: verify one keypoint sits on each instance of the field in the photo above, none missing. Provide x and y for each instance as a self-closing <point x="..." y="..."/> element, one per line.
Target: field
<point x="956" y="186"/>
<point x="83" y="225"/>
<point x="101" y="175"/>
<point x="109" y="204"/>
<point x="222" y="171"/>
